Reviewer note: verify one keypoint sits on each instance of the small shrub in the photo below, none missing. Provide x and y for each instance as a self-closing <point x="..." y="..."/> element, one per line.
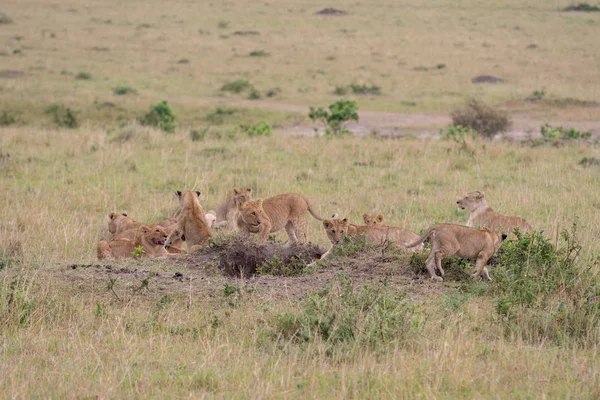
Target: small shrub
<point x="254" y="94"/>
<point x="538" y="95"/>
<point x="123" y="90"/>
<point x="7" y="118"/>
<point x="5" y="19"/>
<point x="555" y="133"/>
<point x="63" y="116"/>
<point x="258" y="53"/>
<point x="582" y="7"/>
<point x="198" y="135"/>
<point x="161" y="116"/>
<point x="277" y="267"/>
<point x="237" y="86"/>
<point x="462" y="137"/>
<point x="260" y="129"/>
<point x="220" y="114"/>
<point x="480" y="117"/>
<point x="339" y="113"/>
<point x="83" y="75"/>
<point x="365" y="89"/>
<point x="183" y="61"/>
<point x="223" y="24"/>
<point x="441" y="66"/>
<point x="340" y="90"/>
<point x="273" y="92"/>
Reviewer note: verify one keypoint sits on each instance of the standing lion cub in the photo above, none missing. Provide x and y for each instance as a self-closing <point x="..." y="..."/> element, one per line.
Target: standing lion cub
<point x="485" y="217"/>
<point x="191" y="223"/>
<point x="462" y="241"/>
<point x="282" y="211"/>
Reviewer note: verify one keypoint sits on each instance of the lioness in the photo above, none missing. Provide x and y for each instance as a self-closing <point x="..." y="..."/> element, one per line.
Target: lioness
<point x="118" y="223"/>
<point x="191" y="224"/>
<point x="483" y="216"/>
<point x="282" y="211"/>
<point x="462" y="241"/>
<point x="152" y="239"/>
<point x="336" y="230"/>
<point x="227" y="213"/>
<point x="374" y="220"/>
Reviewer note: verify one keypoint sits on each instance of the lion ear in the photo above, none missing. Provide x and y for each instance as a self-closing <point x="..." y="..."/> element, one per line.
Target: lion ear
<point x="345" y="221"/>
<point x="480" y="195"/>
<point x="260" y="203"/>
<point x="380" y="217"/>
<point x="112" y="215"/>
<point x="236" y="190"/>
<point x="365" y="216"/>
<point x="145" y="229"/>
<point x="198" y="193"/>
<point x="124" y="214"/>
<point x="504" y="236"/>
<point x="249" y="190"/>
<point x="182" y="238"/>
<point x="327" y="224"/>
<point x="178" y="193"/>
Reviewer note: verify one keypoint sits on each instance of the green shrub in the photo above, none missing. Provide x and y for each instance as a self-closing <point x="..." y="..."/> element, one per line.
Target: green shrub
<point x="344" y="319"/>
<point x="223" y="24"/>
<point x="582" y="7"/>
<point x="365" y="89"/>
<point x="340" y="90"/>
<point x="339" y="113"/>
<point x="7" y="118"/>
<point x="258" y="53"/>
<point x="123" y="90"/>
<point x="462" y="137"/>
<point x="198" y="135"/>
<point x="260" y="129"/>
<point x="5" y="19"/>
<point x="85" y="76"/>
<point x="220" y="114"/>
<point x="254" y="94"/>
<point x="480" y="117"/>
<point x="273" y="92"/>
<point x="183" y="61"/>
<point x="63" y="116"/>
<point x="277" y="267"/>
<point x="237" y="86"/>
<point x="160" y="116"/>
<point x="555" y="133"/>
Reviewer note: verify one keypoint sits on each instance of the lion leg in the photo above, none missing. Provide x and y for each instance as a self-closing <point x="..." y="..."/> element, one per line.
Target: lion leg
<point x="430" y="264"/>
<point x="263" y="233"/>
<point x="439" y="255"/>
<point x="290" y="228"/>
<point x="486" y="274"/>
<point x="104" y="250"/>
<point x="301" y="226"/>
<point x="480" y="266"/>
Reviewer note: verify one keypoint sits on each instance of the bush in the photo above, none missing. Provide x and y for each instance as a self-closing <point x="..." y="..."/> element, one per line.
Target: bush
<point x="63" y="116"/>
<point x="237" y="86"/>
<point x="123" y="90"/>
<point x="258" y="53"/>
<point x="183" y="61"/>
<point x="85" y="76"/>
<point x="556" y="133"/>
<point x="339" y="113"/>
<point x="220" y="114"/>
<point x="7" y="118"/>
<point x="365" y="90"/>
<point x="582" y="7"/>
<point x="260" y="129"/>
<point x="5" y="19"/>
<point x="277" y="267"/>
<point x="343" y="319"/>
<point x="463" y="137"/>
<point x="480" y="117"/>
<point x="160" y="116"/>
<point x="198" y="135"/>
<point x="254" y="94"/>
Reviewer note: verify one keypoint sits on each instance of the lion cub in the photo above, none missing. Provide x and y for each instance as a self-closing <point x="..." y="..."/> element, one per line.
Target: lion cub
<point x="152" y="239"/>
<point x="336" y="230"/>
<point x="124" y="227"/>
<point x="374" y="220"/>
<point x="191" y="223"/>
<point x="483" y="216"/>
<point x="462" y="241"/>
<point x="282" y="211"/>
<point x="228" y="212"/>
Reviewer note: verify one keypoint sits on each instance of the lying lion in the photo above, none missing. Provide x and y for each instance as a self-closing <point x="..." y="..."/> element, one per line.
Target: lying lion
<point x="124" y="227"/>
<point x="485" y="217"/>
<point x="462" y="241"/>
<point x="152" y="240"/>
<point x="374" y="220"/>
<point x="336" y="230"/>
<point x="273" y="214"/>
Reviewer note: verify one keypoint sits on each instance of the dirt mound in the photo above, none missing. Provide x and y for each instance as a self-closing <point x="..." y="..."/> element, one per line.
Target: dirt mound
<point x="331" y="11"/>
<point x="238" y="257"/>
<point x="486" y="79"/>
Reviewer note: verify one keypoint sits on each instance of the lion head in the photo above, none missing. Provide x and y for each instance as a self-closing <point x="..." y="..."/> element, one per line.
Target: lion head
<point x="374" y="220"/>
<point x="252" y="213"/>
<point x="336" y="229"/>
<point x="155" y="235"/>
<point x="241" y="196"/>
<point x="471" y="201"/>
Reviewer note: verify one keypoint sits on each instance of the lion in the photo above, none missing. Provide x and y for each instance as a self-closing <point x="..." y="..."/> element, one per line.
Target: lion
<point x="152" y="240"/>
<point x="273" y="214"/>
<point x="228" y="212"/>
<point x="374" y="220"/>
<point x="191" y="226"/>
<point x="485" y="217"/>
<point x="462" y="241"/>
<point x="211" y="218"/>
<point x="336" y="229"/>
<point x="118" y="223"/>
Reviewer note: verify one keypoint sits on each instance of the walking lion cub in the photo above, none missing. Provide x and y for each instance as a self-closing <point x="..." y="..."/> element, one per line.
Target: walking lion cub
<point x="462" y="241"/>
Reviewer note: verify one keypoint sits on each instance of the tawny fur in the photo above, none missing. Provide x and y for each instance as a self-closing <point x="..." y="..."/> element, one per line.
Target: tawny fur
<point x="228" y="212"/>
<point x="191" y="224"/>
<point x="123" y="227"/>
<point x="273" y="214"/>
<point x="462" y="241"/>
<point x="485" y="217"/>
<point x="118" y="223"/>
<point x="336" y="230"/>
<point x="374" y="220"/>
<point x="152" y="239"/>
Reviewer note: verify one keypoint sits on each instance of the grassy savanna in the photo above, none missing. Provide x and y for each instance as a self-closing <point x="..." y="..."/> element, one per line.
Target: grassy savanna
<point x="421" y="56"/>
<point x="73" y="328"/>
<point x="77" y="333"/>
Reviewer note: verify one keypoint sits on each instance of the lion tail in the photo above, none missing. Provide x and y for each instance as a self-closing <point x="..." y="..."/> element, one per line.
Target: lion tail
<point x="421" y="239"/>
<point x="312" y="212"/>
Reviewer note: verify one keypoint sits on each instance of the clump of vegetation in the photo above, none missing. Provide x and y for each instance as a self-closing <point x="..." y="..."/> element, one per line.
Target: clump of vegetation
<point x="223" y="24"/>
<point x="237" y="86"/>
<point x="183" y="61"/>
<point x="83" y="75"/>
<point x="582" y="7"/>
<point x="220" y="114"/>
<point x="345" y="319"/>
<point x="259" y="53"/>
<point x="559" y="133"/>
<point x="63" y="116"/>
<point x="254" y="94"/>
<point x="481" y="117"/>
<point x="198" y="134"/>
<point x="363" y="89"/>
<point x="161" y="116"/>
<point x="5" y="19"/>
<point x="537" y="95"/>
<point x="339" y="113"/>
<point x="462" y="137"/>
<point x="123" y="90"/>
<point x="260" y="129"/>
<point x="7" y="118"/>
<point x="273" y="92"/>
<point x="276" y="267"/>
